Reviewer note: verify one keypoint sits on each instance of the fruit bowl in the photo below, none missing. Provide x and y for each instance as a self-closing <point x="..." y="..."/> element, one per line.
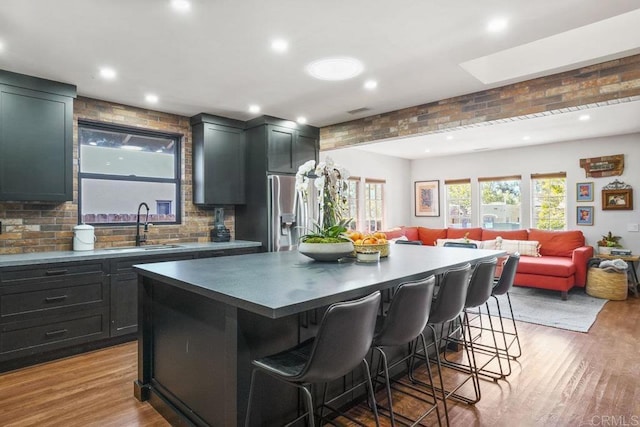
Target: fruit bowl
<point x="382" y="247"/>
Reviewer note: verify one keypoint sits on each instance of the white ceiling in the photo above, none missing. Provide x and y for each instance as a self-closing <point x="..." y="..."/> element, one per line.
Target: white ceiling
<point x="217" y="57"/>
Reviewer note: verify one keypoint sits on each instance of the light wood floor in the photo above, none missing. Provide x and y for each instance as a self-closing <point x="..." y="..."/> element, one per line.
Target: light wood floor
<point x="563" y="379"/>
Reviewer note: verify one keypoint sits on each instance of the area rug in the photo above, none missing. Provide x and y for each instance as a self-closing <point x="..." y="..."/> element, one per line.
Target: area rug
<point x="544" y="307"/>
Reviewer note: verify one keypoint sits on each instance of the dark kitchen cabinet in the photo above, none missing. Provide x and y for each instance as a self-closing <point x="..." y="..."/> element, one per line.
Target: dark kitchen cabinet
<point x="36" y="139"/>
<point x="288" y="148"/>
<point x="218" y="160"/>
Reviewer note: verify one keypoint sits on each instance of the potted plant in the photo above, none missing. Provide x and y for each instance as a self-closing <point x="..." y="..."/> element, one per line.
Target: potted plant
<point x="607" y="242"/>
<point x="326" y="239"/>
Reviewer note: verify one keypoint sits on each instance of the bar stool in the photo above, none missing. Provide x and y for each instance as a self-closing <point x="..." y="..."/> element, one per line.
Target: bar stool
<point x="460" y="245"/>
<point x="479" y="292"/>
<point x="446" y="307"/>
<point x="344" y="338"/>
<point x="403" y="324"/>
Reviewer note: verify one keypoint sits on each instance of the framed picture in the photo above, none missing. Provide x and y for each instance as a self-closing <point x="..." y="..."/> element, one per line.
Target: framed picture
<point x="617" y="199"/>
<point x="584" y="215"/>
<point x="427" y="198"/>
<point x="584" y="191"/>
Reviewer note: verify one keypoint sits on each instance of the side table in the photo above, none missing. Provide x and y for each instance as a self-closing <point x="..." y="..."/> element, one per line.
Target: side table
<point x="631" y="260"/>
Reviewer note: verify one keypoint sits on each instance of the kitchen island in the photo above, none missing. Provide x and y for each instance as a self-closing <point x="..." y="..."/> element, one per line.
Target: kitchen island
<point x="203" y="321"/>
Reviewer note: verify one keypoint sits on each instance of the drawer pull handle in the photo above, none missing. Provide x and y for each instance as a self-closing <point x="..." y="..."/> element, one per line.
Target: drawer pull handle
<point x="56" y="298"/>
<point x="56" y="272"/>
<point x="55" y="333"/>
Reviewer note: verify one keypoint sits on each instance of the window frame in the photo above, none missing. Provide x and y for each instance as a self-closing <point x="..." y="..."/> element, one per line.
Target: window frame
<point x="110" y="127"/>
<point x="382" y="203"/>
<point x="541" y="176"/>
<point x="482" y="181"/>
<point x="447" y="183"/>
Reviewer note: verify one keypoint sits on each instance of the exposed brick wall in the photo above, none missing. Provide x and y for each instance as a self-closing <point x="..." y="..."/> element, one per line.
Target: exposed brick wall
<point x="39" y="227"/>
<point x="613" y="80"/>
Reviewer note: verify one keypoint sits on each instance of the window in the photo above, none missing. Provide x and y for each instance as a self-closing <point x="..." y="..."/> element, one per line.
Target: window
<point x="121" y="167"/>
<point x="373" y="205"/>
<point x="500" y="202"/>
<point x="548" y="204"/>
<point x="353" y="198"/>
<point x="458" y="199"/>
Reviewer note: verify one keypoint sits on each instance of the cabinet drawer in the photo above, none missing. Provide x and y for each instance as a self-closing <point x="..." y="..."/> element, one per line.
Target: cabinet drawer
<point x="30" y="338"/>
<point x="16" y="300"/>
<point x="13" y="275"/>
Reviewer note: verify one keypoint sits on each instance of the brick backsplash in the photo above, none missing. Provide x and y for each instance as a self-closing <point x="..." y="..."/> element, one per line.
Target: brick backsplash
<point x="587" y="86"/>
<point x="40" y="227"/>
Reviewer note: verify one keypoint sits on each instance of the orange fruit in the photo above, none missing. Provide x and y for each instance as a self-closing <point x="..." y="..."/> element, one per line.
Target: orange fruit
<point x="358" y="242"/>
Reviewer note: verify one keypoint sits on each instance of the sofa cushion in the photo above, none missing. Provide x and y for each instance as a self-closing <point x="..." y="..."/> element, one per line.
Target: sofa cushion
<point x="411" y="233"/>
<point x="469" y="233"/>
<point x="505" y="234"/>
<point x="523" y="247"/>
<point x="430" y="235"/>
<point x="557" y="243"/>
<point x="547" y="266"/>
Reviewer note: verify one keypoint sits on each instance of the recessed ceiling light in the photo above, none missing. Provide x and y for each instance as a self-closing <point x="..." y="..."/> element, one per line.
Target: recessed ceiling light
<point x="108" y="73"/>
<point x="526" y="138"/>
<point x="449" y="137"/>
<point x="1" y="46"/>
<point x="370" y="84"/>
<point x="496" y="25"/>
<point x="301" y="120"/>
<point x="279" y="45"/>
<point x="427" y="150"/>
<point x="151" y="98"/>
<point x="341" y="68"/>
<point x="181" y="5"/>
<point x="254" y="108"/>
<point x="584" y="117"/>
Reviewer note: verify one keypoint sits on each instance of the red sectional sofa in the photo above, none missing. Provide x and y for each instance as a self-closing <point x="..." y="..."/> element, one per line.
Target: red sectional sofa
<point x="560" y="265"/>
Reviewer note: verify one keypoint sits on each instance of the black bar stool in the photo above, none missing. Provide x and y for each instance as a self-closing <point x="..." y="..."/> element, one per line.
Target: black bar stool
<point x="460" y="245"/>
<point x="403" y="324"/>
<point x="343" y="341"/>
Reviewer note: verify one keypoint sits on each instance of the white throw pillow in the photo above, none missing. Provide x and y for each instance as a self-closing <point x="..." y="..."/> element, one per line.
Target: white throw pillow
<point x="491" y="244"/>
<point x="523" y="247"/>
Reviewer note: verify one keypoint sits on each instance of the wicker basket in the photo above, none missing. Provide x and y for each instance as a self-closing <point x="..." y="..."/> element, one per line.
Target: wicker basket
<point x="601" y="284"/>
<point x="383" y="248"/>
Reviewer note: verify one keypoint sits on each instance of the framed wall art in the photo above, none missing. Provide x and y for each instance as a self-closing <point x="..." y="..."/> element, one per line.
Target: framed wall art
<point x="617" y="196"/>
<point x="584" y="192"/>
<point x="584" y="215"/>
<point x="427" y="198"/>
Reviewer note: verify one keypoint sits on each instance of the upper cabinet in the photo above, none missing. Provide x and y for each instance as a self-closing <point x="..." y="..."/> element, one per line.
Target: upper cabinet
<point x="218" y="160"/>
<point x="288" y="145"/>
<point x="36" y="139"/>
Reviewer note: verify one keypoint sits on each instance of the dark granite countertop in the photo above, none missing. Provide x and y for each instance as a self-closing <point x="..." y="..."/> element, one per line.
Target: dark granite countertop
<point x="126" y="252"/>
<point x="279" y="284"/>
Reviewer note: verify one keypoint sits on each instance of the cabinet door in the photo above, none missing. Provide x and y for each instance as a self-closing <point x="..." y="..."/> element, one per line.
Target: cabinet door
<point x="35" y="145"/>
<point x="305" y="149"/>
<point x="280" y="143"/>
<point x="124" y="304"/>
<point x="219" y="165"/>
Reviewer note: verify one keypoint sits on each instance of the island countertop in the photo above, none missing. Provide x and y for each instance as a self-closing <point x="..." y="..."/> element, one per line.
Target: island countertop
<point x="279" y="284"/>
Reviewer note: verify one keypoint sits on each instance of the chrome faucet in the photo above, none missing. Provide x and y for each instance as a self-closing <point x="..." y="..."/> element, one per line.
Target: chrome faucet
<point x="140" y="239"/>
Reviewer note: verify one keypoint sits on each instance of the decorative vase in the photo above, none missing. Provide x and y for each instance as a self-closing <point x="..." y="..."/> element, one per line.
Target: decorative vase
<point x="326" y="251"/>
<point x="604" y="250"/>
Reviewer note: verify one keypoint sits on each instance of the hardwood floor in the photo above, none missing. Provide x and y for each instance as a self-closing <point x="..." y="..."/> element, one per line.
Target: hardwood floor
<point x="564" y="378"/>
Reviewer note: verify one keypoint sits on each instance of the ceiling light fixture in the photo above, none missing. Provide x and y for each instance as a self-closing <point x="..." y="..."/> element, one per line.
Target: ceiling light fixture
<point x="108" y="73"/>
<point x="584" y="117"/>
<point x="301" y="120"/>
<point x="427" y="150"/>
<point x="279" y="45"/>
<point x="370" y="84"/>
<point x="449" y="137"/>
<point x="254" y="108"/>
<point x="526" y="138"/>
<point x="497" y="25"/>
<point x="1" y="46"/>
<point x="333" y="69"/>
<point x="181" y="5"/>
<point x="151" y="98"/>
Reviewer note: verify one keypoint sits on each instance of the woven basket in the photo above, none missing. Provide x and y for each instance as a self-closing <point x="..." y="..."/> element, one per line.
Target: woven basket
<point x="383" y="248"/>
<point x="612" y="286"/>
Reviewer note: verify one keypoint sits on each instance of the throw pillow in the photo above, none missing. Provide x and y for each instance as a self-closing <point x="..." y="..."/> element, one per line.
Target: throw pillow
<point x="490" y="244"/>
<point x="523" y="247"/>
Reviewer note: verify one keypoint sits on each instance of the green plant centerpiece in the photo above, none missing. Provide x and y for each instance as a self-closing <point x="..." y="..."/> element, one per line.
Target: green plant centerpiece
<point x="607" y="242"/>
<point x="325" y="239"/>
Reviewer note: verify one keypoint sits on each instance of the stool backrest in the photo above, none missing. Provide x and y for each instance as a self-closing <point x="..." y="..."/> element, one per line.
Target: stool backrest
<point x="460" y="245"/>
<point x="409" y="242"/>
<point x="508" y="275"/>
<point x="408" y="314"/>
<point x="343" y="340"/>
<point x="481" y="283"/>
<point x="451" y="296"/>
